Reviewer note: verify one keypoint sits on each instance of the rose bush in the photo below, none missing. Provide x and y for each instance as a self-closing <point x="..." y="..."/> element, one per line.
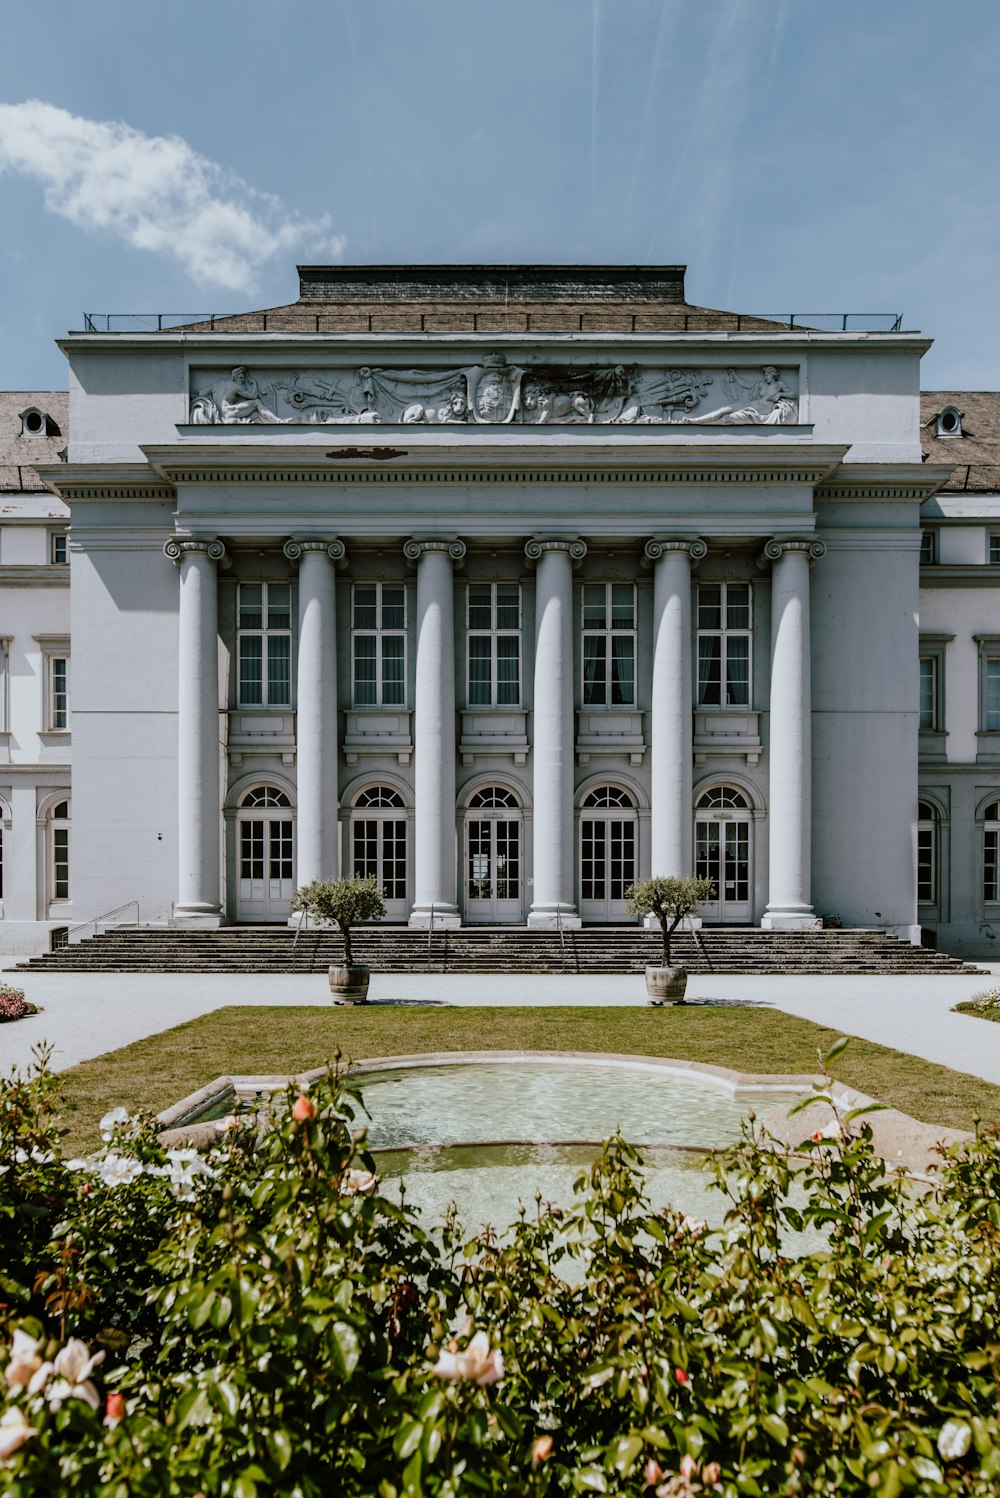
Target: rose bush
<point x="13" y="1004"/>
<point x="262" y="1321"/>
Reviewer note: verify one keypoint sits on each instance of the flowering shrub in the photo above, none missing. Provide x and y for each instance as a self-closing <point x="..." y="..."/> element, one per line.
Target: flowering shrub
<point x="13" y="1004"/>
<point x="988" y="998"/>
<point x="262" y="1321"/>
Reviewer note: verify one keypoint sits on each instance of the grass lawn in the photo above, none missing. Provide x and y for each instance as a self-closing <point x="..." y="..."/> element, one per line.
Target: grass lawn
<point x="158" y="1071"/>
<point x="980" y="1011"/>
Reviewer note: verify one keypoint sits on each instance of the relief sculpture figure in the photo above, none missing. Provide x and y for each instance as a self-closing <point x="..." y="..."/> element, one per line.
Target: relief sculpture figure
<point x="771" y="403"/>
<point x="236" y="399"/>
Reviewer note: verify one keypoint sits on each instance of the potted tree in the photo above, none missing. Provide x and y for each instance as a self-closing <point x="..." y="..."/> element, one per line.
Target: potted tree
<point x="344" y="903"/>
<point x="669" y="901"/>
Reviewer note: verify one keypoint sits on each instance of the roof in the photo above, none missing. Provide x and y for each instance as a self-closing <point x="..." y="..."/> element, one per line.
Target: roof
<point x="18" y="451"/>
<point x="976" y="453"/>
<point x="487" y="299"/>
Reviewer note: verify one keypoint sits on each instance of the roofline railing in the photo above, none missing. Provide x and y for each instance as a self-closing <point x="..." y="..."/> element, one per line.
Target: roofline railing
<point x="636" y="322"/>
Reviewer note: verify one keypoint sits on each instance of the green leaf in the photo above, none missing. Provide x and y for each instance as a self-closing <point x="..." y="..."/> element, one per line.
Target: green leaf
<point x="590" y="1480"/>
<point x="431" y="1443"/>
<point x="408" y="1438"/>
<point x="775" y="1427"/>
<point x="281" y="1448"/>
<point x="346" y="1348"/>
<point x="244" y="1487"/>
<point x="220" y="1311"/>
<point x="226" y="1397"/>
<point x="508" y="1422"/>
<point x="838" y="1047"/>
<point x="624" y="1452"/>
<point x="200" y="1310"/>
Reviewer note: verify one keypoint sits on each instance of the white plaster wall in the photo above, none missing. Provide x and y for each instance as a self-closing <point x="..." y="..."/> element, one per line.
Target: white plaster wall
<point x="865" y="687"/>
<point x="868" y="396"/>
<point x="964" y="613"/>
<point x="119" y="400"/>
<point x="124" y="618"/>
<point x="964" y="544"/>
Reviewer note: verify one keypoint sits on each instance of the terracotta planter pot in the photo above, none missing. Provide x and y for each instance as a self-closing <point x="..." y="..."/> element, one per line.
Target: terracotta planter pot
<point x="666" y="985"/>
<point x="349" y="985"/>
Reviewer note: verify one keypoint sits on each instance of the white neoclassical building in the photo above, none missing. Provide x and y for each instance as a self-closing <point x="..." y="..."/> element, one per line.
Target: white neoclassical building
<point x="506" y="585"/>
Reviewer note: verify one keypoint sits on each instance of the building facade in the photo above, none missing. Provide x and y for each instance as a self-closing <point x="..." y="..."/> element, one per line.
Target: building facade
<point x="508" y="586"/>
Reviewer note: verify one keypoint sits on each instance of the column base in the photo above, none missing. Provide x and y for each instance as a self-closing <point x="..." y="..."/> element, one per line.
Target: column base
<point x="443" y="917"/>
<point x="195" y="920"/>
<point x="800" y="918"/>
<point x="689" y="923"/>
<point x="554" y="918"/>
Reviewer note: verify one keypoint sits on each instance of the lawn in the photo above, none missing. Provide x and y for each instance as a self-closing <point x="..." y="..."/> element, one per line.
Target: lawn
<point x="158" y="1071"/>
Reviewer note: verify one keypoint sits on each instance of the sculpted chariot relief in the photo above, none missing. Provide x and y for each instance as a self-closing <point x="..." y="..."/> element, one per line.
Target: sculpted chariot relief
<point x="498" y="393"/>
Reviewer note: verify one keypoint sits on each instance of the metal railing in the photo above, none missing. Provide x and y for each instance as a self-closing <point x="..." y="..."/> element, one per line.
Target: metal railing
<point x="72" y="932"/>
<point x="18" y="478"/>
<point x="408" y="318"/>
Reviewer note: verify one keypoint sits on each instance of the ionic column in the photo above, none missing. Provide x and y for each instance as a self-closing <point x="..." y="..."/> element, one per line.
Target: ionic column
<point x="553" y="748"/>
<point x="671" y="707"/>
<point x="434" y="861"/>
<point x="198" y="792"/>
<point x="789" y="904"/>
<point x="316" y="710"/>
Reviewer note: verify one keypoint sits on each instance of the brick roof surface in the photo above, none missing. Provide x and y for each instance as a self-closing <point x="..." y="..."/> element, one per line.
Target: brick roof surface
<point x="18" y="453"/>
<point x="976" y="453"/>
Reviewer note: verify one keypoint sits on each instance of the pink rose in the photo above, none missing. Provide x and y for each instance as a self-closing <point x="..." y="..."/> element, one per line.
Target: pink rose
<point x="303" y="1109"/>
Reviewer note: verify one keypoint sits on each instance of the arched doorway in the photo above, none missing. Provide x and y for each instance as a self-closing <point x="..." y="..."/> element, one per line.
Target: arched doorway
<point x="722" y="823"/>
<point x="378" y="845"/>
<point x="264" y="824"/>
<point x="493" y="876"/>
<point x="608" y="840"/>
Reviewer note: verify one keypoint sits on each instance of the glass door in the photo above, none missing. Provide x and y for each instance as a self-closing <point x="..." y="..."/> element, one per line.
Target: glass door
<point x="607" y="855"/>
<point x="722" y="854"/>
<point x="493" y="882"/>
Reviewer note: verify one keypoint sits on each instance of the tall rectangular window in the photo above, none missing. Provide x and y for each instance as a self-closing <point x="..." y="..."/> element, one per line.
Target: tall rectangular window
<point x="991" y="666"/>
<point x="928" y="693"/>
<point x="994" y="553"/>
<point x="494" y="636"/>
<point x="264" y="644"/>
<point x="59" y="547"/>
<point x="378" y="644"/>
<point x="608" y="644"/>
<point x="58" y="692"/>
<point x="724" y="645"/>
<point x="928" y="549"/>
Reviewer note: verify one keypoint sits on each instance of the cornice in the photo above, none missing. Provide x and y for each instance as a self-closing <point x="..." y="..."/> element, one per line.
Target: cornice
<point x="34" y="575"/>
<point x="890" y="482"/>
<point x="960" y="575"/>
<point x="105" y="481"/>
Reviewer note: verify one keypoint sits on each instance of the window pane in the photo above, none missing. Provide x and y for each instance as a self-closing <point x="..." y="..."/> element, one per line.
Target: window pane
<point x="393" y="606"/>
<point x="60" y="863"/>
<point x="279" y="606"/>
<point x="508" y="606"/>
<point x="622" y="605"/>
<point x="365" y="686"/>
<point x="279" y="670"/>
<point x="60" y="695"/>
<point x="710" y="670"/>
<point x="365" y="606"/>
<point x="251" y="612"/>
<point x="594" y="606"/>
<point x="508" y="670"/>
<point x="251" y="685"/>
<point x="738" y="606"/>
<point x="594" y="670"/>
<point x="60" y="549"/>
<point x="738" y="670"/>
<point x="393" y="685"/>
<point x="709" y="607"/>
<point x="927" y="674"/>
<point x="925" y="864"/>
<point x="991" y="891"/>
<point x="995" y="548"/>
<point x="480" y="606"/>
<point x="993" y="692"/>
<point x="622" y="669"/>
<point x="480" y="670"/>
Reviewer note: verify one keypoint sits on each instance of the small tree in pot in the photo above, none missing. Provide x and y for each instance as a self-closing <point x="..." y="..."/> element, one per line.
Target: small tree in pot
<point x="344" y="903"/>
<point x="670" y="901"/>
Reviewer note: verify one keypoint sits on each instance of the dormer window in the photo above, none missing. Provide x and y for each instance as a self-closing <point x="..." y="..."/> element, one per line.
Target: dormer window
<point x="949" y="422"/>
<point x="36" y="423"/>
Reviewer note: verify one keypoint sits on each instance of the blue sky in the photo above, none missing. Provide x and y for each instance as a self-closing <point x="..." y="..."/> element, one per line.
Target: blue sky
<point x="798" y="155"/>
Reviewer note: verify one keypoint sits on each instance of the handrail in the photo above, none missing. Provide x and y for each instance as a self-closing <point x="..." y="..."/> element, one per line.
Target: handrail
<point x="99" y="920"/>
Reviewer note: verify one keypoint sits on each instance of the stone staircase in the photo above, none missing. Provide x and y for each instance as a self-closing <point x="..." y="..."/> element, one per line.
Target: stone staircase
<point x="494" y="949"/>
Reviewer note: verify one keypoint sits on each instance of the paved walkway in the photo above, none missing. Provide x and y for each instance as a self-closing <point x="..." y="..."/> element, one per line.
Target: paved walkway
<point x="84" y="1015"/>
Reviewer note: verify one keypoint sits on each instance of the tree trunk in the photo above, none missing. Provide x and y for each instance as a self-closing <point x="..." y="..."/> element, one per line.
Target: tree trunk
<point x="348" y="954"/>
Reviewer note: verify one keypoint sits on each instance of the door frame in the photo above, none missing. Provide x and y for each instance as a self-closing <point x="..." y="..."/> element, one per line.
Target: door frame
<point x="749" y="814"/>
<point x="631" y="813"/>
<point x="473" y="913"/>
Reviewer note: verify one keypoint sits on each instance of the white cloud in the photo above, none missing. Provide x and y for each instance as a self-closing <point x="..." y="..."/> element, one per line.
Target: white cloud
<point x="156" y="193"/>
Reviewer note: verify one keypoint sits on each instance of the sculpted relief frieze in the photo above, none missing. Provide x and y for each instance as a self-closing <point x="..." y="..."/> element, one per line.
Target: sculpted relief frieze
<point x="497" y="393"/>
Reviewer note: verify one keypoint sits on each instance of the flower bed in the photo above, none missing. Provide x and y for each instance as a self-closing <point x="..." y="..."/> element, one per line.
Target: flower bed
<point x="262" y="1321"/>
<point x="13" y="1004"/>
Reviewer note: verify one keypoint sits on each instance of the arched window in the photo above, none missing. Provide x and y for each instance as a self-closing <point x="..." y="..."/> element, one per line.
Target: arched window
<point x="265" y="795"/>
<point x="378" y="843"/>
<point x="493" y="795"/>
<point x="991" y="853"/>
<point x="927" y="853"/>
<point x="59" y="827"/>
<point x="608" y="796"/>
<point x="724" y="795"/>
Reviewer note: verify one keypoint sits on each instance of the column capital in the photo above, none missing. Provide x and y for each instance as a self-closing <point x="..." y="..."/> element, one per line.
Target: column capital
<point x="537" y="547"/>
<point x="776" y="548"/>
<point x="413" y="549"/>
<point x="294" y="550"/>
<point x="658" y="547"/>
<point x="176" y="549"/>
